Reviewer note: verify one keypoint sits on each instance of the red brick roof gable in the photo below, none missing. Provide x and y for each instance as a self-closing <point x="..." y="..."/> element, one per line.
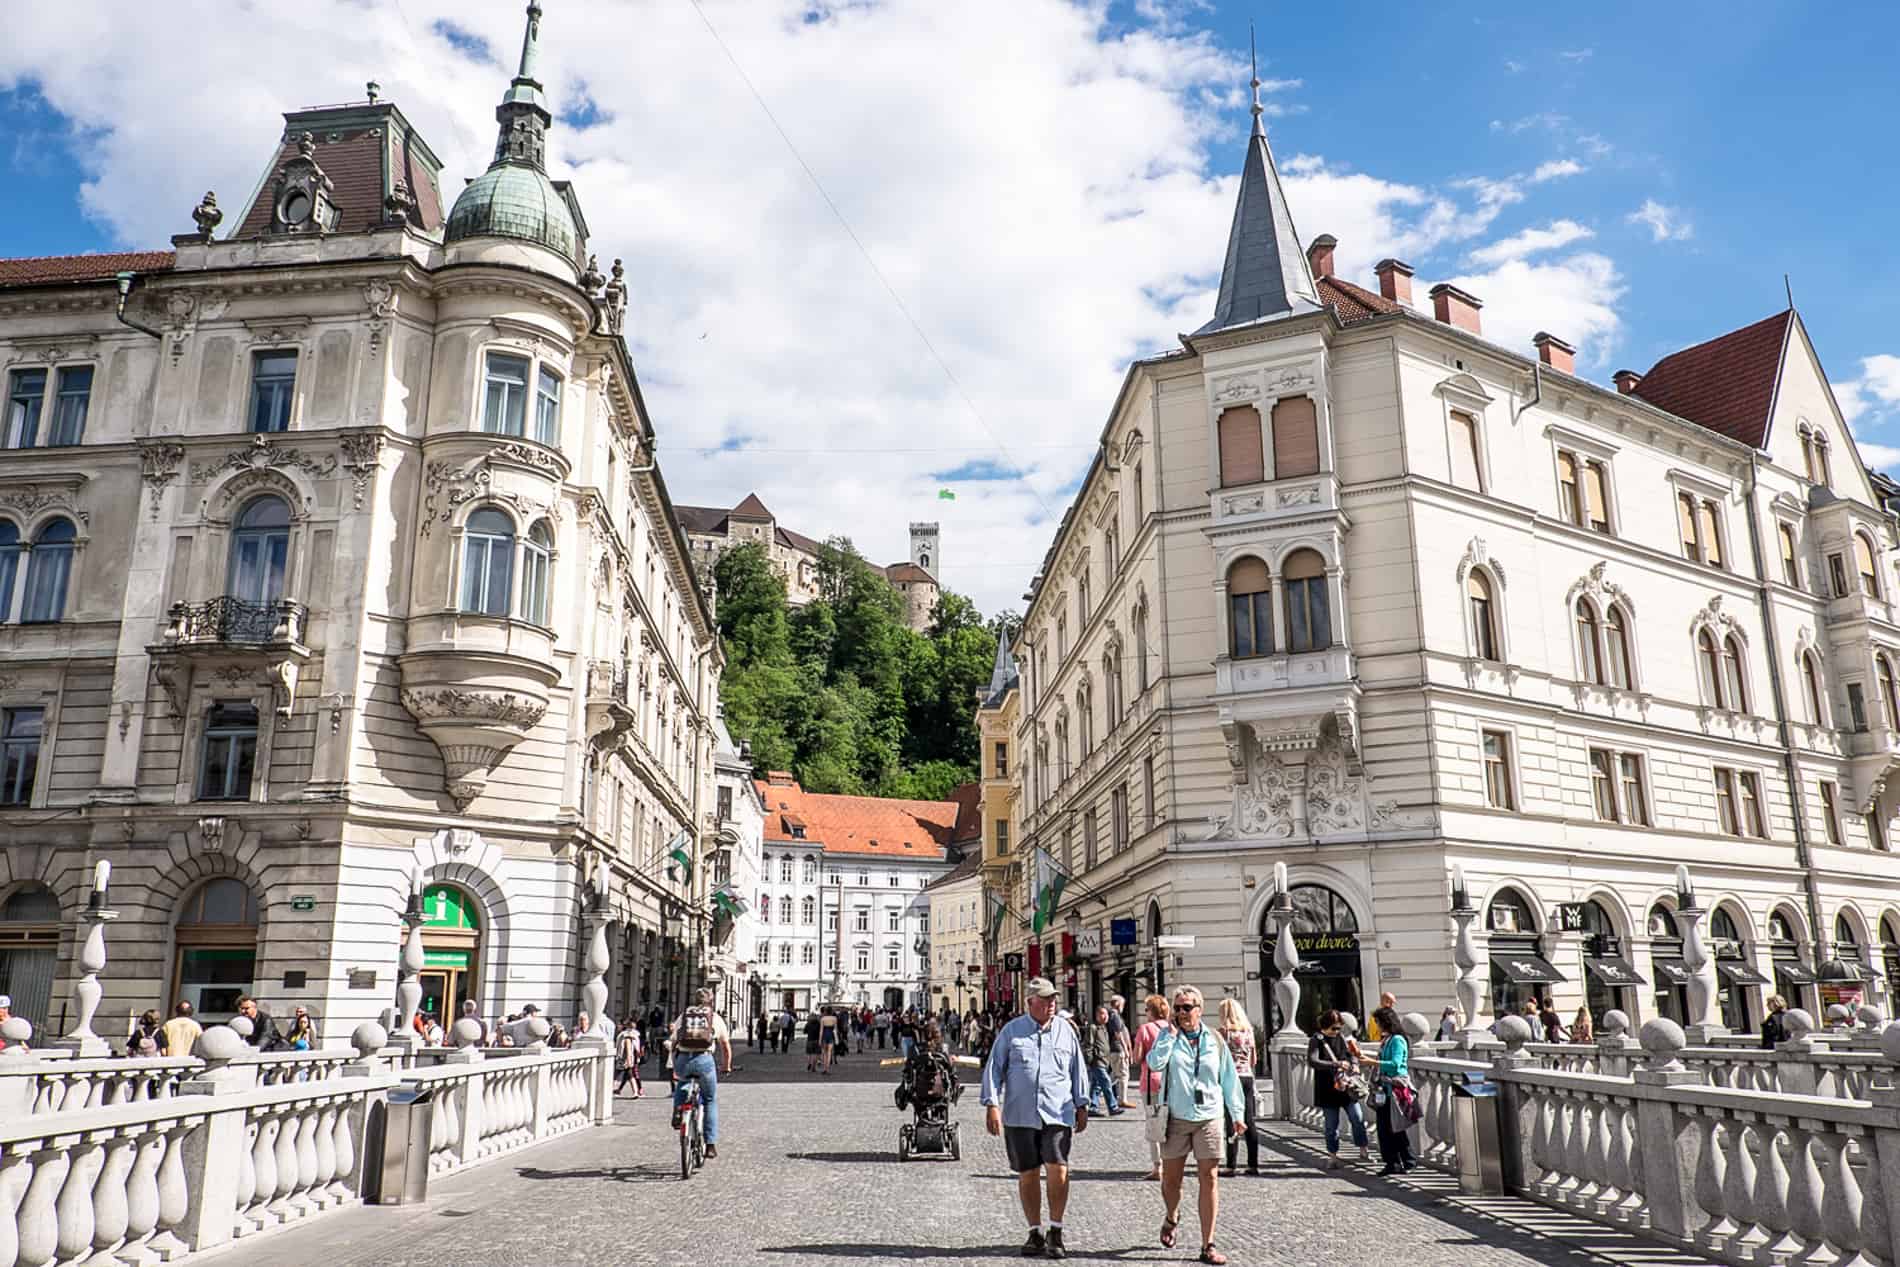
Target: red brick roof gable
<point x="1354" y="303"/>
<point x="868" y="826"/>
<point x="1726" y="384"/>
<point x="67" y="270"/>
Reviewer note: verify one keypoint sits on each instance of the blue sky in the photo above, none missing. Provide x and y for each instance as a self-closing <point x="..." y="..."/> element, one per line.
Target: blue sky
<point x="1047" y="188"/>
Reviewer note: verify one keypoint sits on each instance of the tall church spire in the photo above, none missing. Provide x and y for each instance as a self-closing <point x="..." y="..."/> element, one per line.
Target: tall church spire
<point x="523" y="113"/>
<point x="1265" y="273"/>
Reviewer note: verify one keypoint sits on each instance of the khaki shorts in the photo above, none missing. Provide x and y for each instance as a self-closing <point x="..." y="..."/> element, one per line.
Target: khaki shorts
<point x="1200" y="1138"/>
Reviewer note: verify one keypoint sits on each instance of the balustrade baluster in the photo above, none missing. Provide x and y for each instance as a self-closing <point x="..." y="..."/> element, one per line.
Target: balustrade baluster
<point x="141" y="1193"/>
<point x="108" y="1201"/>
<point x="74" y="1207"/>
<point x="174" y="1198"/>
<point x="1711" y="1183"/>
<point x="1739" y="1193"/>
<point x="1804" y="1188"/>
<point x="1625" y="1163"/>
<point x="285" y="1155"/>
<point x="1584" y="1123"/>
<point x="1600" y="1145"/>
<point x="1564" y="1135"/>
<point x="264" y="1165"/>
<point x="1770" y="1198"/>
<point x="325" y="1143"/>
<point x="1840" y="1195"/>
<point x="1541" y="1154"/>
<point x="39" y="1214"/>
<point x="306" y="1148"/>
<point x="345" y="1155"/>
<point x="14" y="1174"/>
<point x="1876" y="1233"/>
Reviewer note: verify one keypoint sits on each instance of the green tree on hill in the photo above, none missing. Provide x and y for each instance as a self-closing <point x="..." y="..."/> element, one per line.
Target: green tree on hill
<point x="840" y="691"/>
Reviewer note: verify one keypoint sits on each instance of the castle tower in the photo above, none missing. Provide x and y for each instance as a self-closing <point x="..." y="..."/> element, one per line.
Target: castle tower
<point x="924" y="549"/>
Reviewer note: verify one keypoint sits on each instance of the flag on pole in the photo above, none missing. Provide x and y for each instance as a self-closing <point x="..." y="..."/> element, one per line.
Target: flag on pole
<point x="998" y="909"/>
<point x="682" y="854"/>
<point x="946" y="495"/>
<point x="1049" y="881"/>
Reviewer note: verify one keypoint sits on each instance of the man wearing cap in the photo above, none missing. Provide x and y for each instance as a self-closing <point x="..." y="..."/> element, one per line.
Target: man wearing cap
<point x="1036" y="1070"/>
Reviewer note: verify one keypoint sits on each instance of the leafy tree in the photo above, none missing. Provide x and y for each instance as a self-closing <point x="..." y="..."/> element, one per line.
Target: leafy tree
<point x="840" y="691"/>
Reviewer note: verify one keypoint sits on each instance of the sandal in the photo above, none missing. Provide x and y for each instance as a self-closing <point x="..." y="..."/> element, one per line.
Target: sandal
<point x="1167" y="1232"/>
<point x="1211" y="1255"/>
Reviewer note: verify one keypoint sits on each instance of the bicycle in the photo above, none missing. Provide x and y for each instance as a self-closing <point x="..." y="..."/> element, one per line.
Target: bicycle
<point x="692" y="1128"/>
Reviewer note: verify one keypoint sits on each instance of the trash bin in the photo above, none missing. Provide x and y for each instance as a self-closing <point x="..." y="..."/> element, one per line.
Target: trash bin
<point x="1475" y="1127"/>
<point x="403" y="1174"/>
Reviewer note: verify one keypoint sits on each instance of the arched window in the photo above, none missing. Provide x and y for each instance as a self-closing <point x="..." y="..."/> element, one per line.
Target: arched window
<point x="1295" y="437"/>
<point x="1250" y="608"/>
<point x="1109" y="558"/>
<point x="810" y="872"/>
<point x="537" y="562"/>
<point x="9" y="564"/>
<point x="1141" y="648"/>
<point x="1309" y="625"/>
<point x="1884" y="667"/>
<point x="1734" y="678"/>
<point x="217" y="949"/>
<point x="1864" y="559"/>
<point x="1617" y="661"/>
<point x="1589" y="642"/>
<point x="765" y="908"/>
<point x="49" y="567"/>
<point x="1846" y="941"/>
<point x="260" y="548"/>
<point x="1710" y="661"/>
<point x="1112" y="686"/>
<point x="808" y="909"/>
<point x="1242" y="458"/>
<point x="1808" y="466"/>
<point x="1811" y="682"/>
<point x="1484" y="627"/>
<point x="1511" y="912"/>
<point x="29" y="950"/>
<point x="488" y="562"/>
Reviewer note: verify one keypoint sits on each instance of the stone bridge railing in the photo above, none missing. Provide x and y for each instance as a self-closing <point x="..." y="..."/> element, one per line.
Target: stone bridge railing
<point x="1746" y="1175"/>
<point x="141" y="1160"/>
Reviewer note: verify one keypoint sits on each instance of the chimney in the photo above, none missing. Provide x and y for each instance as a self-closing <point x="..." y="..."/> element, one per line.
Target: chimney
<point x="1554" y="352"/>
<point x="1626" y="381"/>
<point x="1320" y="255"/>
<point x="1395" y="280"/>
<point x="1455" y="308"/>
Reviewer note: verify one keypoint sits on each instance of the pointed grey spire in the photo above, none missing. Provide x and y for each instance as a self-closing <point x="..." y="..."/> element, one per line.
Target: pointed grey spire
<point x="1003" y="675"/>
<point x="526" y="88"/>
<point x="1265" y="273"/>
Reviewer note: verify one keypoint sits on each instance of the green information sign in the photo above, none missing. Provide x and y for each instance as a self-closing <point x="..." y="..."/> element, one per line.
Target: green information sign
<point x="444" y="906"/>
<point x="445" y="959"/>
<point x="303" y="902"/>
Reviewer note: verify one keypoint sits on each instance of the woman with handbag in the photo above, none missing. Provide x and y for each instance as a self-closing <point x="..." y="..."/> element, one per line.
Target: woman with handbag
<point x="1393" y="1101"/>
<point x="1338" y="1086"/>
<point x="1154" y="1111"/>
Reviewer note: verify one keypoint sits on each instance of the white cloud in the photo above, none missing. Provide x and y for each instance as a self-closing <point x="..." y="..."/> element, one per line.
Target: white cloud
<point x="1549" y="120"/>
<point x="1513" y="66"/>
<point x="1873" y="396"/>
<point x="1558" y="234"/>
<point x="1556" y="169"/>
<point x="1666" y="224"/>
<point x="1577" y="54"/>
<point x="1096" y="234"/>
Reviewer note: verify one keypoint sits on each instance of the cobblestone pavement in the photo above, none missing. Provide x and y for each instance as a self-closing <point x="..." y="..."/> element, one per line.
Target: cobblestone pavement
<point x="808" y="1175"/>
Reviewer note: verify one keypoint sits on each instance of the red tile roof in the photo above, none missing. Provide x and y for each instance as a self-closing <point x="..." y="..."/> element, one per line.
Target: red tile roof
<point x="751" y="508"/>
<point x="66" y="270"/>
<point x="908" y="572"/>
<point x="1727" y="384"/>
<point x="968" y="798"/>
<point x="1354" y="303"/>
<point x="870" y="826"/>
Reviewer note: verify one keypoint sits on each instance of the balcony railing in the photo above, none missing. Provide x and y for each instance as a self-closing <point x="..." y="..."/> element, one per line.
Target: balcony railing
<point x="607" y="679"/>
<point x="235" y="621"/>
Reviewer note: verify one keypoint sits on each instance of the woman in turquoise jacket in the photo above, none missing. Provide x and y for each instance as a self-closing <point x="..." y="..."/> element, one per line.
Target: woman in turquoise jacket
<point x="1392" y="1069"/>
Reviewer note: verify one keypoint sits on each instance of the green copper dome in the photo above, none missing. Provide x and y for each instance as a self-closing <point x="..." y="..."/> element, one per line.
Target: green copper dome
<point x="512" y="200"/>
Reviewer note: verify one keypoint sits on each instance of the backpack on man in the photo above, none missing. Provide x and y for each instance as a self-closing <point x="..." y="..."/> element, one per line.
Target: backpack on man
<point x="696" y="1030"/>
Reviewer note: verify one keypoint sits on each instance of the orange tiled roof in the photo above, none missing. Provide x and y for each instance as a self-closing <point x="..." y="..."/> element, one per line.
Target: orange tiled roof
<point x="64" y="270"/>
<point x="871" y="826"/>
<point x="1726" y="384"/>
<point x="1354" y="303"/>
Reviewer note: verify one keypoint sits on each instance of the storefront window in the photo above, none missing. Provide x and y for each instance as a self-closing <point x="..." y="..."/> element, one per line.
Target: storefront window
<point x="1326" y="937"/>
<point x="217" y="949"/>
<point x="29" y="952"/>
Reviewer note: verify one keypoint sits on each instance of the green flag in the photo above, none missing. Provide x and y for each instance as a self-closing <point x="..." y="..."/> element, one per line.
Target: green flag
<point x="1049" y="882"/>
<point x="998" y="909"/>
<point x="946" y="495"/>
<point x="682" y="854"/>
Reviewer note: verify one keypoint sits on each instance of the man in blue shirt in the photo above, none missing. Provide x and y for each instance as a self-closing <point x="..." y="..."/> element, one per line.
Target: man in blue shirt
<point x="1201" y="1086"/>
<point x="1036" y="1069"/>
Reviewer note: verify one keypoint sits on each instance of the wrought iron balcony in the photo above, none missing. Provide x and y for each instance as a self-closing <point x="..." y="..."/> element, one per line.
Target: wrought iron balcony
<point x="228" y="621"/>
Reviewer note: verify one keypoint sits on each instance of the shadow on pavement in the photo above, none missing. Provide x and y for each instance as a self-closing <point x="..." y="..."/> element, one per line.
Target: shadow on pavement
<point x="615" y="1174"/>
<point x="846" y="1250"/>
<point x="846" y="1158"/>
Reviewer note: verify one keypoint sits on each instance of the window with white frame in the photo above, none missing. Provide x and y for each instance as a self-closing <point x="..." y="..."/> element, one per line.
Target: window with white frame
<point x="1721" y="666"/>
<point x="862" y="918"/>
<point x="1583" y="490"/>
<point x="1481" y="606"/>
<point x="893" y="959"/>
<point x="1500" y="791"/>
<point x="505" y="394"/>
<point x="1699" y="518"/>
<point x="864" y="959"/>
<point x="1738" y="804"/>
<point x="1467" y="463"/>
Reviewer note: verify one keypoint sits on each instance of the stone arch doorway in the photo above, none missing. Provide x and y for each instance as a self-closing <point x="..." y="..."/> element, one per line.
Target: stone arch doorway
<point x="29" y="952"/>
<point x="451" y="950"/>
<point x="1326" y="936"/>
<point x="215" y="960"/>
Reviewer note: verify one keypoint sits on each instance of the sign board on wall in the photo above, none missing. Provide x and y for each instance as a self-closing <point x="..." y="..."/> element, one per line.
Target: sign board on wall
<point x="1122" y="932"/>
<point x="1013" y="962"/>
<point x="1175" y="941"/>
<point x="1570" y="917"/>
<point x="1088" y="943"/>
<point x="303" y="901"/>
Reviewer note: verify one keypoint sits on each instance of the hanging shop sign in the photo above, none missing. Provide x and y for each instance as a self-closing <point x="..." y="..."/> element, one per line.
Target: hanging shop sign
<point x="1088" y="943"/>
<point x="1121" y="932"/>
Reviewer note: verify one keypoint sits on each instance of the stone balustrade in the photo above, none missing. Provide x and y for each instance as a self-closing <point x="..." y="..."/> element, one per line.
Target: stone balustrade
<point x="1747" y="1174"/>
<point x="139" y="1161"/>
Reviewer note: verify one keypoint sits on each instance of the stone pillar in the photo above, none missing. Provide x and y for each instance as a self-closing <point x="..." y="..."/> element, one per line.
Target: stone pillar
<point x="1797" y="1074"/>
<point x="600" y="1071"/>
<point x="1883" y="1174"/>
<point x="1288" y="1048"/>
<point x="1669" y="1151"/>
<point x="82" y="1042"/>
<point x="409" y="982"/>
<point x="212" y="1154"/>
<point x="1702" y="1026"/>
<point x="1516" y="1110"/>
<point x="1615" y="1047"/>
<point x="1470" y="984"/>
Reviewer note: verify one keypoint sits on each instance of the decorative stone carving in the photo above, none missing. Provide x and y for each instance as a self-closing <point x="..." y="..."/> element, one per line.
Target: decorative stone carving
<point x="1335" y="789"/>
<point x="380" y="297"/>
<point x="1301" y="495"/>
<point x="1714" y="617"/>
<point x="1228" y="391"/>
<point x="31" y="499"/>
<point x="159" y="461"/>
<point x="362" y="457"/>
<point x="447" y="486"/>
<point x="1288" y="379"/>
<point x="211" y="833"/>
<point x="206" y="214"/>
<point x="1246" y="504"/>
<point x="1603" y="591"/>
<point x="1263" y="806"/>
<point x="1478" y="555"/>
<point x="616" y="299"/>
<point x="449" y="702"/>
<point x="262" y="455"/>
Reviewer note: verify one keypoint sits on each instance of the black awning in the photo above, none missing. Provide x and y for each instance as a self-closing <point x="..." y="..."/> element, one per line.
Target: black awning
<point x="1740" y="972"/>
<point x="1674" y="971"/>
<point x="1527" y="969"/>
<point x="1794" y="970"/>
<point x="1614" y="971"/>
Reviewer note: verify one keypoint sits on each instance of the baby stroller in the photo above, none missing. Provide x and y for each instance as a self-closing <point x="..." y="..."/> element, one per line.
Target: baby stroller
<point x="928" y="1088"/>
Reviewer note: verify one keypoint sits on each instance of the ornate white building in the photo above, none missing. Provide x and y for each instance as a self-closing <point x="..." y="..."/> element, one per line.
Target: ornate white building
<point x="1353" y="588"/>
<point x="335" y="566"/>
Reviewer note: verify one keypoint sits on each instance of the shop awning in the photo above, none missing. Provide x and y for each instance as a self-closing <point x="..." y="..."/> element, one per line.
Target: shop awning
<point x="1527" y="969"/>
<point x="1740" y="972"/>
<point x="1794" y="970"/>
<point x="1614" y="971"/>
<point x="1674" y="971"/>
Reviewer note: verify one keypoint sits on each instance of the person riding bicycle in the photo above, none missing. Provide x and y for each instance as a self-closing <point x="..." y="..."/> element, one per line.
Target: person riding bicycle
<point x="698" y="1031"/>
